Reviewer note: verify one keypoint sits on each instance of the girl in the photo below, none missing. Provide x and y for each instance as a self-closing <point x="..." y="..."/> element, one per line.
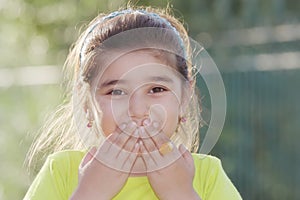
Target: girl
<point x="132" y="103"/>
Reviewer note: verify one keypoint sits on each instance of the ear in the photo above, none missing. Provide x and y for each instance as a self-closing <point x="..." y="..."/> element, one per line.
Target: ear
<point x="87" y="105"/>
<point x="187" y="92"/>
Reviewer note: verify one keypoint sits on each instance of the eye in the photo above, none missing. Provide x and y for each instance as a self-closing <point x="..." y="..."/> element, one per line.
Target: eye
<point x="157" y="90"/>
<point x="116" y="92"/>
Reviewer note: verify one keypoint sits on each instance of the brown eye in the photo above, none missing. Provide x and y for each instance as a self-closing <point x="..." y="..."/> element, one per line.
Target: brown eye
<point x="157" y="90"/>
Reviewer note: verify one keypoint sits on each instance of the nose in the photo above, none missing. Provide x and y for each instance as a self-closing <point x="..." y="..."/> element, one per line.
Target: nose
<point x="139" y="106"/>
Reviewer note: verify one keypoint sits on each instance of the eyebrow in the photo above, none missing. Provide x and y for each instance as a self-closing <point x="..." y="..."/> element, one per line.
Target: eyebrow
<point x="111" y="82"/>
<point x="161" y="79"/>
<point x="122" y="81"/>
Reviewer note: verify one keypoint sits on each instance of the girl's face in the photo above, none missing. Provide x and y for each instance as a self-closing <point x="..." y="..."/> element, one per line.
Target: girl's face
<point x="139" y="86"/>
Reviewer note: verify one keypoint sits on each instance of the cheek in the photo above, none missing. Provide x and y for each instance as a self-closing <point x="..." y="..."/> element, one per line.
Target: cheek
<point x="172" y="121"/>
<point x="112" y="115"/>
<point x="166" y="113"/>
<point x="107" y="123"/>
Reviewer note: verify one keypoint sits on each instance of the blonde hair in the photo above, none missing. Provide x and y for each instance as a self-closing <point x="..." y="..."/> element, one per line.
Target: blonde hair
<point x="61" y="132"/>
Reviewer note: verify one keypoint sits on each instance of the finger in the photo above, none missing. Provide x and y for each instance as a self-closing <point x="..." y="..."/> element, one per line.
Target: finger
<point x="109" y="152"/>
<point x="148" y="159"/>
<point x="127" y="156"/>
<point x="156" y="145"/>
<point x="128" y="148"/>
<point x="128" y="164"/>
<point x="147" y="140"/>
<point x="125" y="142"/>
<point x="154" y="131"/>
<point x="160" y="139"/>
<point x="107" y="148"/>
<point x="108" y="142"/>
<point x="131" y="142"/>
<point x="151" y="154"/>
<point x="125" y="132"/>
<point x="153" y="128"/>
<point x="89" y="156"/>
<point x="112" y="137"/>
<point x="127" y="137"/>
<point x="127" y="127"/>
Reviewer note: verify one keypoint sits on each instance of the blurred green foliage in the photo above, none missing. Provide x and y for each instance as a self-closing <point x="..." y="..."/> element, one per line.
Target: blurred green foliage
<point x="22" y="112"/>
<point x="258" y="145"/>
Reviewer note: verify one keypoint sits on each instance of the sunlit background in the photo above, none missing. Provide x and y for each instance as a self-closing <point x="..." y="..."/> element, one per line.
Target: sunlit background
<point x="255" y="44"/>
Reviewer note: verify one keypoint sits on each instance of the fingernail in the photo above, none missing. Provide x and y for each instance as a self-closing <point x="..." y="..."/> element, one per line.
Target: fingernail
<point x="133" y="124"/>
<point x="146" y="122"/>
<point x="122" y="126"/>
<point x="155" y="124"/>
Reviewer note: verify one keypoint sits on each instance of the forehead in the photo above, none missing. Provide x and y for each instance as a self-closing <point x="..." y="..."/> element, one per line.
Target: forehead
<point x="136" y="65"/>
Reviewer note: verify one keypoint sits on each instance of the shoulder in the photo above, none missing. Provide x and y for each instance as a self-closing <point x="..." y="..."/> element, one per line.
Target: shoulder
<point x="67" y="155"/>
<point x="205" y="161"/>
<point x="64" y="162"/>
<point x="207" y="167"/>
<point x="58" y="177"/>
<point x="63" y="168"/>
<point x="68" y="160"/>
<point x="211" y="180"/>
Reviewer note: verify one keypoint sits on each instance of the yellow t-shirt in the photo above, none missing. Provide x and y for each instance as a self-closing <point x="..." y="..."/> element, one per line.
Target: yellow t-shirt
<point x="58" y="179"/>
